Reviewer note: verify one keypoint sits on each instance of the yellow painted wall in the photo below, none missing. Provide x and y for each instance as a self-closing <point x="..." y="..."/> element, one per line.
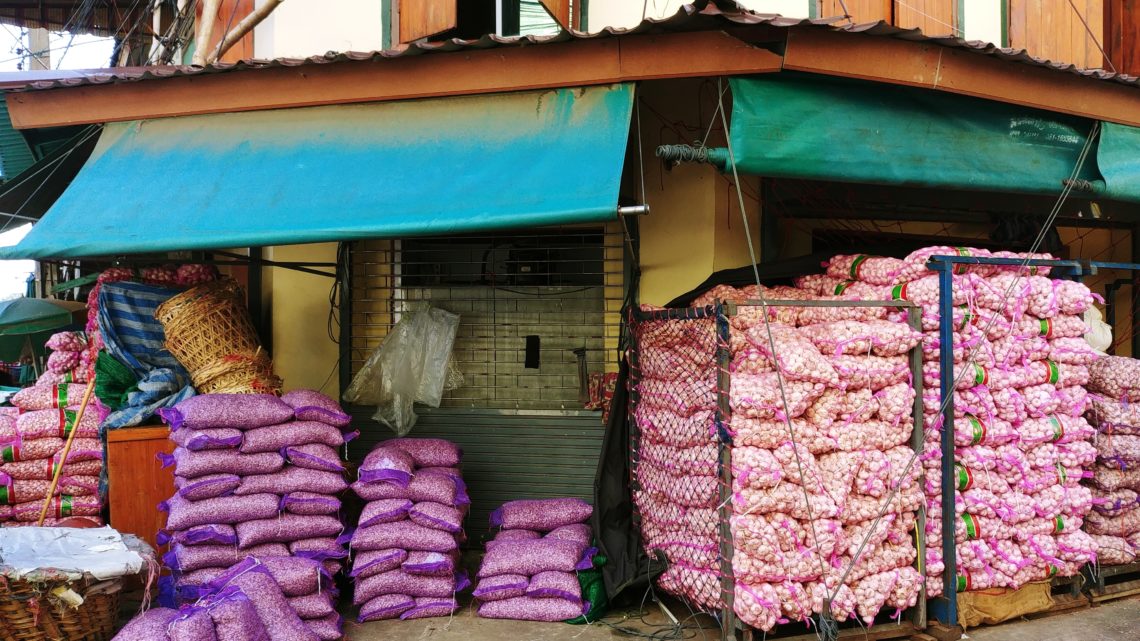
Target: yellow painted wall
<point x="694" y="226"/>
<point x="303" y="354"/>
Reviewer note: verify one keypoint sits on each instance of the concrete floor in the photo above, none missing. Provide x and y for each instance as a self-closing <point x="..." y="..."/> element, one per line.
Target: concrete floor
<point x="1113" y="621"/>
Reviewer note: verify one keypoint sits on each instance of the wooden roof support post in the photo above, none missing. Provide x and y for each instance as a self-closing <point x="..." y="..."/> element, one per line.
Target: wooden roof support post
<point x="245" y="26"/>
<point x="205" y="31"/>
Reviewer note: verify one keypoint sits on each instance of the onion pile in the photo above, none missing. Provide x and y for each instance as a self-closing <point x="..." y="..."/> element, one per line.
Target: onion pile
<point x="1115" y="520"/>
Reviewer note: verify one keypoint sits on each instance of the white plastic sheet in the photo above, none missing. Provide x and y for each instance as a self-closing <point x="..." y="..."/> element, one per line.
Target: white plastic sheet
<point x="99" y="552"/>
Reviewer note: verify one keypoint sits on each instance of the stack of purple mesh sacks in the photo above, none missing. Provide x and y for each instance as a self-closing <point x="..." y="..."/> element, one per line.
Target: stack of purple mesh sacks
<point x="529" y="570"/>
<point x="406" y="545"/>
<point x="255" y="600"/>
<point x="256" y="476"/>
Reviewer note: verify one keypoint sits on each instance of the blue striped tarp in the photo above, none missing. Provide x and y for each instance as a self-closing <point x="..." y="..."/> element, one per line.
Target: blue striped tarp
<point x="134" y="337"/>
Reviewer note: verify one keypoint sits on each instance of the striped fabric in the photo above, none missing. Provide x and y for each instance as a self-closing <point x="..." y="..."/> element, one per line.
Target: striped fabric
<point x="135" y="338"/>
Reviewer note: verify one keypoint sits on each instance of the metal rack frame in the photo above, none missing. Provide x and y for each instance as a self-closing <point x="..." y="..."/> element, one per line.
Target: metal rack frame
<point x="722" y="313"/>
<point x="945" y="608"/>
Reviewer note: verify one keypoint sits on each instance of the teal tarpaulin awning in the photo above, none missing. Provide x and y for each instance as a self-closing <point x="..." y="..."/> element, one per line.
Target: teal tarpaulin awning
<point x="346" y="172"/>
<point x="840" y="130"/>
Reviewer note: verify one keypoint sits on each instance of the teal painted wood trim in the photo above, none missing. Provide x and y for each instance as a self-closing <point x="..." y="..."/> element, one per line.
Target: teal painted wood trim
<point x="960" y="18"/>
<point x="813" y="8"/>
<point x="505" y="457"/>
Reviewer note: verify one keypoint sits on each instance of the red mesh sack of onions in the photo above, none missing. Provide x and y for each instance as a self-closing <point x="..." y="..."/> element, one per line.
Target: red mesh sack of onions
<point x="869" y="471"/>
<point x="967" y="343"/>
<point x="787" y="498"/>
<point x="1119" y="448"/>
<point x="166" y="275"/>
<point x="883" y="338"/>
<point x="1116" y="377"/>
<point x="871" y="372"/>
<point x="1063" y="326"/>
<point x="1073" y="298"/>
<point x="191" y="275"/>
<point x="66" y="342"/>
<point x="1075" y="351"/>
<point x="860" y="508"/>
<point x="1120" y="525"/>
<point x="690" y="491"/>
<point x="802" y="565"/>
<point x="817" y="284"/>
<point x="700" y="587"/>
<point x="82" y="449"/>
<point x="1114" y="502"/>
<point x="894" y="527"/>
<point x="807" y="316"/>
<point x="1113" y="550"/>
<point x="916" y="261"/>
<point x="725" y="293"/>
<point x="897" y="588"/>
<point x="868" y="269"/>
<point x="21" y="491"/>
<point x="42" y="470"/>
<point x="656" y="362"/>
<point x="1113" y="477"/>
<point x="1113" y="417"/>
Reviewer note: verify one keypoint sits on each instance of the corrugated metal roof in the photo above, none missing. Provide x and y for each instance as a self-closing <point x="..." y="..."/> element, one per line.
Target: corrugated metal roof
<point x="691" y="17"/>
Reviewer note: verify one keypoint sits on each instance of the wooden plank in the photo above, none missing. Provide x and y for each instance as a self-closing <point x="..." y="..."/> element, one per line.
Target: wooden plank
<point x="559" y="10"/>
<point x="1017" y="24"/>
<point x="958" y="71"/>
<point x="144" y="433"/>
<point x="137" y="482"/>
<point x="861" y="10"/>
<point x="1117" y="591"/>
<point x="230" y="12"/>
<point x="425" y="18"/>
<point x="933" y="17"/>
<point x="578" y="63"/>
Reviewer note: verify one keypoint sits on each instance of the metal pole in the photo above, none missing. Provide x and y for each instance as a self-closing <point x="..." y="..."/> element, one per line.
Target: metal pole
<point x="723" y="413"/>
<point x="917" y="442"/>
<point x="946" y="385"/>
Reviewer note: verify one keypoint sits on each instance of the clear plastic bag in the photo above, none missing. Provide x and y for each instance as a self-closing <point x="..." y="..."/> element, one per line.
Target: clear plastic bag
<point x="412" y="365"/>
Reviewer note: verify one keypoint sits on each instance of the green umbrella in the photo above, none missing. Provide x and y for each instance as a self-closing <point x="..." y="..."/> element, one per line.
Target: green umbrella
<point x="28" y="322"/>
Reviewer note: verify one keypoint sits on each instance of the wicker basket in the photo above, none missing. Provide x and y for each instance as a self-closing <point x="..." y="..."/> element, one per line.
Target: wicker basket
<point x="209" y="331"/>
<point x="29" y="612"/>
<point x="207" y="323"/>
<point x="238" y="374"/>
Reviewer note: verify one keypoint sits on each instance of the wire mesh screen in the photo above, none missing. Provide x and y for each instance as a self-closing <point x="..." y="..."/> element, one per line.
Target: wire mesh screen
<point x="539" y="311"/>
<point x="675" y="450"/>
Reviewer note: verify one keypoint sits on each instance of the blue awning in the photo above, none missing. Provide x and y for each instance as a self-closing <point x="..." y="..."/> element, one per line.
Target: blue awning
<point x="436" y="166"/>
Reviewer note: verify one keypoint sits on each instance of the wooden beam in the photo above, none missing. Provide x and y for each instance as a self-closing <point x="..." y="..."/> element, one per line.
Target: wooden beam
<point x="959" y="71"/>
<point x="575" y="63"/>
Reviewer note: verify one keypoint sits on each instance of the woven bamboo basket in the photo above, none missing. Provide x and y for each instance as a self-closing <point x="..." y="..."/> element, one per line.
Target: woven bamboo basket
<point x="238" y="374"/>
<point x="29" y="612"/>
<point x="207" y="323"/>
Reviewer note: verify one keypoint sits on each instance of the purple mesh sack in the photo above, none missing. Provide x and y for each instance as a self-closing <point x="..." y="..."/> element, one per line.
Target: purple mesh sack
<point x="281" y="622"/>
<point x="216" y="534"/>
<point x="286" y="527"/>
<point x="192" y="624"/>
<point x="384" y="511"/>
<point x="375" y="562"/>
<point x="502" y="586"/>
<point x="308" y="503"/>
<point x="293" y="479"/>
<point x="275" y="437"/>
<point x="450" y="472"/>
<point x="429" y="452"/>
<point x="311" y="405"/>
<point x="385" y="606"/>
<point x="430" y="563"/>
<point x="427" y="607"/>
<point x="541" y="514"/>
<point x="400" y="582"/>
<point x="183" y="514"/>
<point x="438" y="516"/>
<point x="526" y="608"/>
<point x="210" y="486"/>
<point x="320" y="548"/>
<point x="297" y="576"/>
<point x="387" y="465"/>
<point x="313" y="606"/>
<point x="235" y="618"/>
<point x="196" y="557"/>
<point x="461" y="498"/>
<point x="517" y="535"/>
<point x="315" y="456"/>
<point x="327" y="628"/>
<point x="198" y="578"/>
<point x="556" y="585"/>
<point x="423" y="487"/>
<point x="578" y="532"/>
<point x="240" y="411"/>
<point x="194" y="464"/>
<point x="528" y="557"/>
<point x="402" y="534"/>
<point x="210" y="439"/>
<point x="148" y="626"/>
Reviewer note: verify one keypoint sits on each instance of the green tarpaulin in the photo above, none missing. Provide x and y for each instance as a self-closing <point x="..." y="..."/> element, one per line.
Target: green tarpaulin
<point x="795" y="126"/>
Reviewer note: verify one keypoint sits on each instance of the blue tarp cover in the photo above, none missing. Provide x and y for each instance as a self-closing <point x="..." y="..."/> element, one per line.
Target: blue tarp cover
<point x="345" y="172"/>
